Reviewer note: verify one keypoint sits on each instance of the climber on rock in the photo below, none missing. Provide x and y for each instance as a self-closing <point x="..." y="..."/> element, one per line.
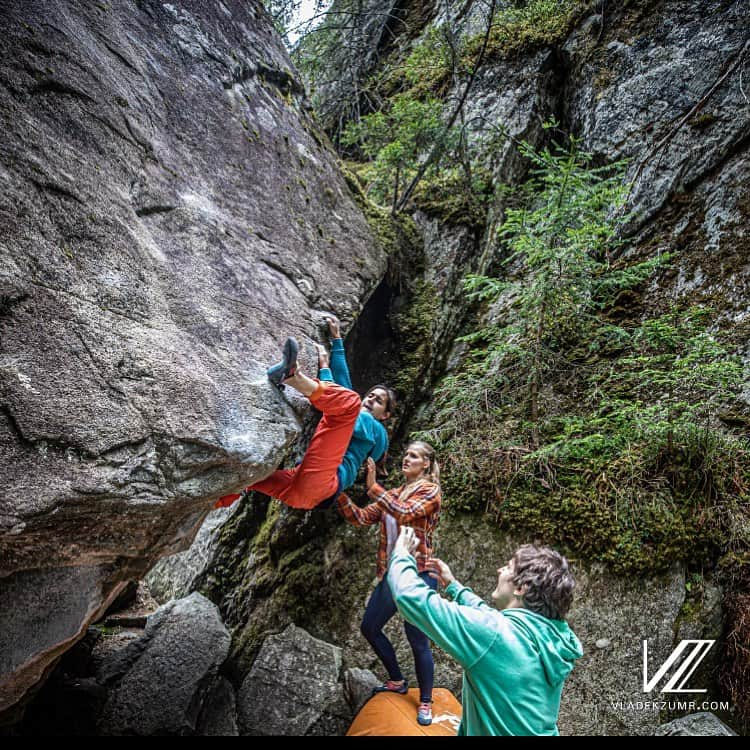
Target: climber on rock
<point x="350" y="431"/>
<point x="416" y="504"/>
<point x="516" y="659"/>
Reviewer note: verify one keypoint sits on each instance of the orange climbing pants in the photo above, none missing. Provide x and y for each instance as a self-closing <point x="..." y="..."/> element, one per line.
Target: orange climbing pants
<point x="316" y="478"/>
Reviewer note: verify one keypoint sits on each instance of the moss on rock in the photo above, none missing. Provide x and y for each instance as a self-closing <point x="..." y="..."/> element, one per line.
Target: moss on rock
<point x="394" y="234"/>
<point x="414" y="329"/>
<point x="446" y="196"/>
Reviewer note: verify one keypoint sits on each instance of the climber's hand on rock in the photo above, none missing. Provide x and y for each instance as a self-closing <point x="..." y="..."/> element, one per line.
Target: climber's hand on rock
<point x="334" y="327"/>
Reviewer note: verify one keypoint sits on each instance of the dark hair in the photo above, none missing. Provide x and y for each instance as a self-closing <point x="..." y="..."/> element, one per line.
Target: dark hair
<point x="546" y="579"/>
<point x="390" y="394"/>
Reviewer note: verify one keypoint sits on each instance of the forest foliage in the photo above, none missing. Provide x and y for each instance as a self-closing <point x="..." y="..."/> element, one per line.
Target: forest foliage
<point x="612" y="425"/>
<point x="574" y="413"/>
<point x="587" y="410"/>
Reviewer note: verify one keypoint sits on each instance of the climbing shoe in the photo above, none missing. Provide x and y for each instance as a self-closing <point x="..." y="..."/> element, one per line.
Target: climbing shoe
<point x="288" y="365"/>
<point x="424" y="714"/>
<point x="391" y="686"/>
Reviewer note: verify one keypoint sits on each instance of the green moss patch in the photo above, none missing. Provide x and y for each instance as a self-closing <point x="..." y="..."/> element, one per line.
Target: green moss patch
<point x="448" y="196"/>
<point x="536" y="24"/>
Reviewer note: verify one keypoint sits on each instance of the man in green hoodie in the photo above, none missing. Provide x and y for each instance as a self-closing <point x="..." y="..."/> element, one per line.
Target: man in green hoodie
<point x="516" y="659"/>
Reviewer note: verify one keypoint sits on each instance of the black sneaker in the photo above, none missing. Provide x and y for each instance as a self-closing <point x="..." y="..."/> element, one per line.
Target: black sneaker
<point x="288" y="366"/>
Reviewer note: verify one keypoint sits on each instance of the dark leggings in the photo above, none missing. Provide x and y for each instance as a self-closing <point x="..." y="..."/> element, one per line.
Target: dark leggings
<point x="380" y="609"/>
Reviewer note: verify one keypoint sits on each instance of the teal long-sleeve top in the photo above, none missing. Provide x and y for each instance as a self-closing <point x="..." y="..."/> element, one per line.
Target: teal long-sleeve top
<point x="369" y="437"/>
<point x="515" y="661"/>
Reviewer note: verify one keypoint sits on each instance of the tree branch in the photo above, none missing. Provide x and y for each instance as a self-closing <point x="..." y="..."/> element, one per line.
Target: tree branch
<point x="439" y="145"/>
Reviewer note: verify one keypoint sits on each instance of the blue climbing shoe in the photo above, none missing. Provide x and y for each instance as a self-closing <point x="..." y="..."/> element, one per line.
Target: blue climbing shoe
<point x="288" y="365"/>
<point x="424" y="714"/>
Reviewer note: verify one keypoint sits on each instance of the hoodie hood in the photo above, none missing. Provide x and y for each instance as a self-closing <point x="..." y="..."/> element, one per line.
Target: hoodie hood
<point x="557" y="645"/>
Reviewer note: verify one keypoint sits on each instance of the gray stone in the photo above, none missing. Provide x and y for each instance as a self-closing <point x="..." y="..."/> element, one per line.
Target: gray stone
<point x="628" y="101"/>
<point x="219" y="715"/>
<point x="358" y="687"/>
<point x="158" y="683"/>
<point x="43" y="607"/>
<point x="628" y="611"/>
<point x="293" y="688"/>
<point x="695" y="725"/>
<point x="509" y="103"/>
<point x="170" y="213"/>
<point x="174" y="577"/>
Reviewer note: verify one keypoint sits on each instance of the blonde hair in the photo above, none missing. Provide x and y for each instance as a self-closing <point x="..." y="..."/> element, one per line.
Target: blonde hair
<point x="428" y="452"/>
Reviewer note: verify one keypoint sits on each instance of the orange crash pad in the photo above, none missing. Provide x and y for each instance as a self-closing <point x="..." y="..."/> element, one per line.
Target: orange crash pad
<point x="394" y="715"/>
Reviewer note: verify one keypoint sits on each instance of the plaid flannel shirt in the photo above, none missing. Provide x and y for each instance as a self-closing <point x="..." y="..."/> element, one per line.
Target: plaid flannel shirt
<point x="418" y="507"/>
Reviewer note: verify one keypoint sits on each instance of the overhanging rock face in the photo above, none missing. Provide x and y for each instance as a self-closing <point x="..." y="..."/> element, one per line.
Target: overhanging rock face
<point x="169" y="216"/>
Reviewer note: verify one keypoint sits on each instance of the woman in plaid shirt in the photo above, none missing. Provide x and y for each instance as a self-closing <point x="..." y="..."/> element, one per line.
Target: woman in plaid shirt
<point x="417" y="504"/>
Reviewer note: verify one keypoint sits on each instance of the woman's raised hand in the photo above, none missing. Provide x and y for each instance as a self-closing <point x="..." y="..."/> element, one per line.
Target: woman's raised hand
<point x="371" y="473"/>
<point x="334" y="327"/>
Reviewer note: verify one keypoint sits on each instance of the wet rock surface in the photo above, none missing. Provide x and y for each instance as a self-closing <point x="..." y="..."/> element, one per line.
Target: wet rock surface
<point x="170" y="214"/>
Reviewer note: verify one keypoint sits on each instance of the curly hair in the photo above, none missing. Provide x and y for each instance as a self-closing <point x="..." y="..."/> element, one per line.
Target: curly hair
<point x="546" y="579"/>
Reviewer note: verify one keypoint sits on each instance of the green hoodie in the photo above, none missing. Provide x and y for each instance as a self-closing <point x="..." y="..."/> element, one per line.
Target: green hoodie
<point x="515" y="661"/>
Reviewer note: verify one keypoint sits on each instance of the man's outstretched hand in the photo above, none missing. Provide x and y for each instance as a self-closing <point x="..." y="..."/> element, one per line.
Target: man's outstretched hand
<point x="440" y="571"/>
<point x="407" y="541"/>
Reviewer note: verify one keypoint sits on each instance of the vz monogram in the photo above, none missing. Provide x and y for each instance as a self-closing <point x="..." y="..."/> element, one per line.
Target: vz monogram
<point x="676" y="683"/>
